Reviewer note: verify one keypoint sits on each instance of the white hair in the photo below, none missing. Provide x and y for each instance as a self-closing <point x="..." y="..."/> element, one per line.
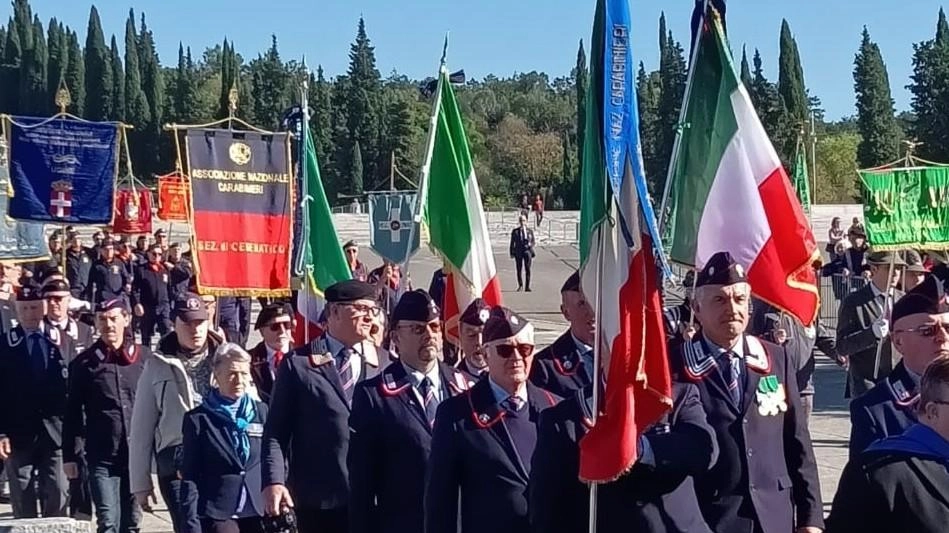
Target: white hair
<point x="229" y="353"/>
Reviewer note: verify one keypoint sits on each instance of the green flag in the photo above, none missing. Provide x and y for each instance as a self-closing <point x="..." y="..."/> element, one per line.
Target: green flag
<point x="801" y="179"/>
<point x="906" y="207"/>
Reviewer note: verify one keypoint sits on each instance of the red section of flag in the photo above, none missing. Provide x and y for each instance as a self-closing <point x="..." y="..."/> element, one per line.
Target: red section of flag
<point x="242" y="253"/>
<point x="453" y="307"/>
<point x="638" y="386"/>
<point x="172" y="198"/>
<point x="133" y="211"/>
<point x="300" y="333"/>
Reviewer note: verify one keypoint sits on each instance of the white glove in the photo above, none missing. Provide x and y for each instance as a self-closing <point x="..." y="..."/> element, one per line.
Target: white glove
<point x="881" y="327"/>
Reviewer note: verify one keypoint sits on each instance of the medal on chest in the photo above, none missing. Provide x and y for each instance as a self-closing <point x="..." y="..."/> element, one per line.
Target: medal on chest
<point x="771" y="397"/>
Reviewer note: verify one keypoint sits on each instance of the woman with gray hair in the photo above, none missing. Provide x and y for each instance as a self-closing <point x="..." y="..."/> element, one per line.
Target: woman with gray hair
<point x="221" y="449"/>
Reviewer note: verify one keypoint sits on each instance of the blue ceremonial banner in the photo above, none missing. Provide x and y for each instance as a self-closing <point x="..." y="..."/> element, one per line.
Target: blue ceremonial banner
<point x="391" y="216"/>
<point x="19" y="241"/>
<point x="63" y="170"/>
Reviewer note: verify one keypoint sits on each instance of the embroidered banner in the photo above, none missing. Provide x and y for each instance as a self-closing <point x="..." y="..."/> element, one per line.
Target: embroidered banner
<point x="173" y="198"/>
<point x="906" y="208"/>
<point x="19" y="241"/>
<point x="391" y="218"/>
<point x="133" y="211"/>
<point x="241" y="192"/>
<point x="62" y="170"/>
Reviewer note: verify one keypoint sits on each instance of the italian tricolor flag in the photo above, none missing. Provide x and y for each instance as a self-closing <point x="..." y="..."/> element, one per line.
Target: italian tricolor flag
<point x="453" y="214"/>
<point x="729" y="191"/>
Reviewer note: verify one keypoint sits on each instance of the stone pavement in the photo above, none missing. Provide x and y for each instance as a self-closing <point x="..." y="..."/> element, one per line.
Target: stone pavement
<point x="829" y="424"/>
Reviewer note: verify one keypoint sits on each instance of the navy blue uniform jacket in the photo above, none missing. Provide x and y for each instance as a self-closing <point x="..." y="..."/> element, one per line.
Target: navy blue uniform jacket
<point x="655" y="497"/>
<point x="209" y="460"/>
<point x="558" y="368"/>
<point x="885" y="411"/>
<point x="308" y="428"/>
<point x="389" y="448"/>
<point x="472" y="452"/>
<point x="765" y="473"/>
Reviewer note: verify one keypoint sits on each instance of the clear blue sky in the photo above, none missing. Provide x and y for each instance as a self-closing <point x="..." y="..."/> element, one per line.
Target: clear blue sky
<point x="507" y="36"/>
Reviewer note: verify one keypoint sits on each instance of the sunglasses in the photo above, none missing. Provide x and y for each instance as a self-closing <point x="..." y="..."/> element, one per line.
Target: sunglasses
<point x="419" y="329"/>
<point x="507" y="350"/>
<point x="277" y="327"/>
<point x="929" y="330"/>
<point x="362" y="309"/>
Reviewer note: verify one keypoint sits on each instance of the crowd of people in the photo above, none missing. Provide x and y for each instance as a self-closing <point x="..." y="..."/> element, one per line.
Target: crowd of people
<point x="382" y="423"/>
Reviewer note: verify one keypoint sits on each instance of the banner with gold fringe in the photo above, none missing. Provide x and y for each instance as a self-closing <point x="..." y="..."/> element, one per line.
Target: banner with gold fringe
<point x="906" y="207"/>
<point x="133" y="211"/>
<point x="173" y="198"/>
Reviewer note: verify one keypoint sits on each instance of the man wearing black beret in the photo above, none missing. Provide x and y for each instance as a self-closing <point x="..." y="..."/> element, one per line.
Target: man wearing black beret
<point x="109" y="278"/>
<point x="484" y="439"/>
<point x="309" y="413"/>
<point x="76" y="336"/>
<point x="275" y="324"/>
<point x="765" y="479"/>
<point x="392" y="421"/>
<point x="567" y="365"/>
<point x="471" y="358"/>
<point x="919" y="335"/>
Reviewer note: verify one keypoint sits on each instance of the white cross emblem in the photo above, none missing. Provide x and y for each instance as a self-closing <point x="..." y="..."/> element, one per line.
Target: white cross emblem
<point x="60" y="203"/>
<point x="395" y="226"/>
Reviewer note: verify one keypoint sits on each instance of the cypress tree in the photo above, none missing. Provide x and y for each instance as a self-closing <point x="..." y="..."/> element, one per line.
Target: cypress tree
<point x="791" y="87"/>
<point x="98" y="71"/>
<point x="153" y="87"/>
<point x="118" y="82"/>
<point x="876" y="118"/>
<point x="136" y="108"/>
<point x="10" y="70"/>
<point x="357" y="170"/>
<point x="363" y="100"/>
<point x="746" y="78"/>
<point x="648" y="92"/>
<point x="3" y="41"/>
<point x="185" y="92"/>
<point x="930" y="84"/>
<point x="33" y="74"/>
<point x="270" y="84"/>
<point x="321" y="119"/>
<point x="672" y="78"/>
<point x="228" y="79"/>
<point x="770" y="107"/>
<point x="581" y="77"/>
<point x="76" y="75"/>
<point x="23" y="19"/>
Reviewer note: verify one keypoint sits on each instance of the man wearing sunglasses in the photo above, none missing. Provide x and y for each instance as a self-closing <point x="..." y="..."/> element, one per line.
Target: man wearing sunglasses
<point x="567" y="365"/>
<point x="920" y="322"/>
<point x="483" y="440"/>
<point x="151" y="296"/>
<point x="275" y="324"/>
<point x="392" y="422"/>
<point x="309" y="413"/>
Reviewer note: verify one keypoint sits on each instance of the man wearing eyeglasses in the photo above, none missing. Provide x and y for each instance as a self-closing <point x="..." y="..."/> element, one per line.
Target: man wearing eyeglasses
<point x="150" y="294"/>
<point x="275" y="324"/>
<point x="392" y="422"/>
<point x="920" y="336"/>
<point x="309" y="414"/>
<point x="483" y="440"/>
<point x="900" y="483"/>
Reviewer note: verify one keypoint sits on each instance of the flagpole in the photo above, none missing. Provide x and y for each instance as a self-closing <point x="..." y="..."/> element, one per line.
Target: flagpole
<point x="304" y="195"/>
<point x="597" y="350"/>
<point x="667" y="188"/>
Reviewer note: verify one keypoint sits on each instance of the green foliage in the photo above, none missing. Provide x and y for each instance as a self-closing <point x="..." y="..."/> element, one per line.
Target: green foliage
<point x="672" y="78"/>
<point x="930" y="87"/>
<point x="58" y="46"/>
<point x="98" y="71"/>
<point x="75" y="75"/>
<point x="836" y="169"/>
<point x="118" y="82"/>
<point x="880" y="134"/>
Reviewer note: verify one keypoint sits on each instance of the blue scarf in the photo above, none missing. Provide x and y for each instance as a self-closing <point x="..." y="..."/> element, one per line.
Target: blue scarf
<point x="237" y="420"/>
<point x="917" y="441"/>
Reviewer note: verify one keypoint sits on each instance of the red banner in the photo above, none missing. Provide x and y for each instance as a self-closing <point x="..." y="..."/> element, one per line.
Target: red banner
<point x="133" y="211"/>
<point x="173" y="198"/>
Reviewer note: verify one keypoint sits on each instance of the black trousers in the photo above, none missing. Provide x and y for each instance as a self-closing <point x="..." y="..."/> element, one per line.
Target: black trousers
<point x="311" y="520"/>
<point x="155" y="319"/>
<point x="523" y="262"/>
<point x="46" y="458"/>
<point x="234" y="525"/>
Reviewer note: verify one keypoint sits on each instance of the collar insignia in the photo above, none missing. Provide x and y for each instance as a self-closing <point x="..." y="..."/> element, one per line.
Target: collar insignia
<point x="901" y="394"/>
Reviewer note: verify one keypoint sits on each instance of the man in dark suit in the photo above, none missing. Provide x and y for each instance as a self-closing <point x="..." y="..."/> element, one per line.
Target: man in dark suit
<point x="863" y="324"/>
<point x="901" y="482"/>
<point x="78" y="267"/>
<point x="76" y="336"/>
<point x="33" y="376"/>
<point x="484" y="439"/>
<point x="471" y="359"/>
<point x="306" y="437"/>
<point x="567" y="364"/>
<point x="522" y="252"/>
<point x="765" y="479"/>
<point x="658" y="493"/>
<point x="392" y="421"/>
<point x="109" y="278"/>
<point x="275" y="324"/>
<point x="919" y="336"/>
<point x="151" y="296"/>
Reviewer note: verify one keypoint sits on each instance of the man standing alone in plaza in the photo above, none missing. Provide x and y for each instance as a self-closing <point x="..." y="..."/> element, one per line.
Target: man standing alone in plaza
<point x="522" y="251"/>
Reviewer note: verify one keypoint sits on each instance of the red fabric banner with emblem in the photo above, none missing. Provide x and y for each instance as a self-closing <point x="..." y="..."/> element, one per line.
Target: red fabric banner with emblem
<point x="173" y="198"/>
<point x="133" y="211"/>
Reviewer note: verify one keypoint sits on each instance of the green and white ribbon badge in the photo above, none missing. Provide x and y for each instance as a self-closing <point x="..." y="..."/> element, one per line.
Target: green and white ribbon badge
<point x="771" y="397"/>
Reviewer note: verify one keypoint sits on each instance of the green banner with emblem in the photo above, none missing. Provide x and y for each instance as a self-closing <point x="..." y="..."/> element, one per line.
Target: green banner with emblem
<point x="906" y="207"/>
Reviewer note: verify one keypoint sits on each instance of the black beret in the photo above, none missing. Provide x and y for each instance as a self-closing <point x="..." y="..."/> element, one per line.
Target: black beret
<point x="925" y="298"/>
<point x="504" y="323"/>
<point x="114" y="303"/>
<point x="55" y="286"/>
<point x="721" y="269"/>
<point x="476" y="314"/>
<point x="350" y="291"/>
<point x="272" y="311"/>
<point x="572" y="284"/>
<point x="189" y="306"/>
<point x="29" y="291"/>
<point x="415" y="306"/>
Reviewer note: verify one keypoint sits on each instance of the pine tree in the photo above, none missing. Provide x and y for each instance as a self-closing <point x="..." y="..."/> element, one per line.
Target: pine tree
<point x="270" y="84"/>
<point x="791" y="87"/>
<point x="98" y="71"/>
<point x="357" y="174"/>
<point x="929" y="87"/>
<point x="770" y="108"/>
<point x="581" y="77"/>
<point x="672" y="78"/>
<point x="118" y="82"/>
<point x="876" y="119"/>
<point x="746" y="78"/>
<point x="363" y="101"/>
<point x="399" y="134"/>
<point x="58" y="57"/>
<point x="76" y="75"/>
<point x="136" y="109"/>
<point x="320" y="120"/>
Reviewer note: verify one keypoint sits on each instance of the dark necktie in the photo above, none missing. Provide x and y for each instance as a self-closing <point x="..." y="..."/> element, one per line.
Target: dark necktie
<point x="37" y="354"/>
<point x="347" y="377"/>
<point x="429" y="401"/>
<point x="513" y="404"/>
<point x="731" y="373"/>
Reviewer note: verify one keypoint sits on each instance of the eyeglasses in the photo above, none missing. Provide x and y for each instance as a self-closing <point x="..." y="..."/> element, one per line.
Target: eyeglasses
<point x="929" y="330"/>
<point x="363" y="309"/>
<point x="277" y="327"/>
<point x="507" y="350"/>
<point x="419" y="329"/>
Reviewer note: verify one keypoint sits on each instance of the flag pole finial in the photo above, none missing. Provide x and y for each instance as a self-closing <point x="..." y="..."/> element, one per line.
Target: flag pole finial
<point x="444" y="52"/>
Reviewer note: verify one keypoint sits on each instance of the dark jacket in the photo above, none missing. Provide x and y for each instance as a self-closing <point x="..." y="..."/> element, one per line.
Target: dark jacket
<point x="209" y="460"/>
<point x="887" y="410"/>
<point x="34" y="402"/>
<point x="76" y="338"/>
<point x="856" y="339"/>
<point x="474" y="457"/>
<point x="309" y="428"/>
<point x="108" y="280"/>
<point x="766" y="476"/>
<point x="658" y="496"/>
<point x="101" y="396"/>
<point x="260" y="371"/>
<point x="389" y="448"/>
<point x="559" y="368"/>
<point x="519" y="244"/>
<point x="885" y="492"/>
<point x="151" y="288"/>
<point x="179" y="278"/>
<point x="78" y="268"/>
